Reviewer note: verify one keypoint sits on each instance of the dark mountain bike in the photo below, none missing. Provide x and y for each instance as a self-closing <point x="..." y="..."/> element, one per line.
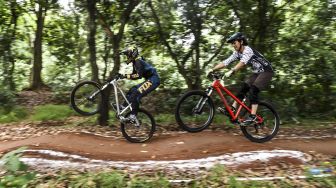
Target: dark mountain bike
<point x="87" y="96"/>
<point x="195" y="111"/>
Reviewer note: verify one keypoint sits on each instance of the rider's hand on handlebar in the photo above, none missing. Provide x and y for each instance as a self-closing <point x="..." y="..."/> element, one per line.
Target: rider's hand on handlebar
<point x="229" y="73"/>
<point x="209" y="73"/>
<point x="119" y="76"/>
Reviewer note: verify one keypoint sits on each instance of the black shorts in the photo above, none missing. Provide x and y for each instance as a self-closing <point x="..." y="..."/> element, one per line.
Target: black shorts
<point x="260" y="80"/>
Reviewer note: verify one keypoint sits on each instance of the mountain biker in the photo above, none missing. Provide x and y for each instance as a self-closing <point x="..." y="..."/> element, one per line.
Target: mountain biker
<point x="141" y="69"/>
<point x="261" y="68"/>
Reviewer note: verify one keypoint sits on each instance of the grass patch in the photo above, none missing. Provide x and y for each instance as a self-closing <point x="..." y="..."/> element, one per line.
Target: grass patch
<point x="18" y="113"/>
<point x="165" y="118"/>
<point x="222" y="121"/>
<point x="310" y="123"/>
<point x="111" y="179"/>
<point x="52" y="112"/>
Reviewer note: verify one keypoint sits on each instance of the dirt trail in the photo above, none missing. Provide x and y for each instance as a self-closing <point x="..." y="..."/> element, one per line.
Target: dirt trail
<point x="165" y="147"/>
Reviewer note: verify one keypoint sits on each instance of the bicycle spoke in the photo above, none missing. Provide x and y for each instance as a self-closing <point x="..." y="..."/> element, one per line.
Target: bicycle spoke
<point x="141" y="132"/>
<point x="267" y="129"/>
<point x="195" y="111"/>
<point x="85" y="98"/>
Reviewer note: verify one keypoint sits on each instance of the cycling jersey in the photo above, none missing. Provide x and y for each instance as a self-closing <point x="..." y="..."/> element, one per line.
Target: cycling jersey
<point x="251" y="57"/>
<point x="142" y="69"/>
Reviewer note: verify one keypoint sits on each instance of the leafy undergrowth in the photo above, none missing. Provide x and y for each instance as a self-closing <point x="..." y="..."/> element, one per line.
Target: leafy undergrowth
<point x="216" y="177"/>
<point x="14" y="173"/>
<point x="39" y="113"/>
<point x="14" y="115"/>
<point x="51" y="112"/>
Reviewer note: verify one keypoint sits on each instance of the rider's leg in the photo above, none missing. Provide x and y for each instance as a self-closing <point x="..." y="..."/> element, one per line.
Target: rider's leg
<point x="242" y="93"/>
<point x="262" y="80"/>
<point x="254" y="105"/>
<point x="245" y="88"/>
<point x="254" y="98"/>
<point x="141" y="90"/>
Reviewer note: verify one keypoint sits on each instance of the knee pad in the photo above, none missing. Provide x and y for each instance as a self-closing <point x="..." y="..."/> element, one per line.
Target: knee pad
<point x="254" y="94"/>
<point x="244" y="89"/>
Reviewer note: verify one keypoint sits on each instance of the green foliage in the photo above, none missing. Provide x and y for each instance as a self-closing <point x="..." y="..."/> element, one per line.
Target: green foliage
<point x="52" y="112"/>
<point x="144" y="182"/>
<point x="103" y="180"/>
<point x="7" y="100"/>
<point x="165" y="118"/>
<point x="17" y="174"/>
<point x="113" y="180"/>
<point x="16" y="114"/>
<point x="218" y="176"/>
<point x="296" y="36"/>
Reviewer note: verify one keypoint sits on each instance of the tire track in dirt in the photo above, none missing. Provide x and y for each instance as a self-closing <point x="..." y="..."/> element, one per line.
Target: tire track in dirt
<point x="164" y="147"/>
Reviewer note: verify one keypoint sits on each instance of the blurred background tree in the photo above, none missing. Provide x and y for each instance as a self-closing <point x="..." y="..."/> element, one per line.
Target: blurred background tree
<point x="56" y="43"/>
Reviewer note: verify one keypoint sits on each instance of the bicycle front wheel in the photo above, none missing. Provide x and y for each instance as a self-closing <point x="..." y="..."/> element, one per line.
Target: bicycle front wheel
<point x="194" y="111"/>
<point x="267" y="129"/>
<point x="142" y="132"/>
<point x="86" y="97"/>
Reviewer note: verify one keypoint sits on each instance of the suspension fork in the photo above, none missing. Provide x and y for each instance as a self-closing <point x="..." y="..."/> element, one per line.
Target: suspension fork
<point x="203" y="100"/>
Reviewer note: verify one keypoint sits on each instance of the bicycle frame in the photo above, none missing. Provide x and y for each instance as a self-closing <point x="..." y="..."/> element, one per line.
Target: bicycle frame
<point x="116" y="88"/>
<point x="234" y="117"/>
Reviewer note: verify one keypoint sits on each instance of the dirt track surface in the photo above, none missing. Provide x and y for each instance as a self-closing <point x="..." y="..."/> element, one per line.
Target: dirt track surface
<point x="54" y="146"/>
<point x="165" y="147"/>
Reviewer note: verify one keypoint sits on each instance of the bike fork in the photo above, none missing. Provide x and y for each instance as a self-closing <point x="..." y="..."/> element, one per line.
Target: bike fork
<point x="201" y="103"/>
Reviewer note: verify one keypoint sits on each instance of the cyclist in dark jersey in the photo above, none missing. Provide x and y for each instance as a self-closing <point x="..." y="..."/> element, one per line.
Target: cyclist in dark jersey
<point x="261" y="68"/>
<point x="141" y="69"/>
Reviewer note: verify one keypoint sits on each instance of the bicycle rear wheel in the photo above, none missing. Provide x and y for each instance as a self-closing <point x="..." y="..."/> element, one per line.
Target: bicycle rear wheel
<point x="194" y="111"/>
<point x="265" y="131"/>
<point x="141" y="133"/>
<point x="86" y="97"/>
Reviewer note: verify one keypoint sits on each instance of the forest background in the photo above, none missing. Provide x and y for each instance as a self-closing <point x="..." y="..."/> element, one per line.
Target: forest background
<point x="50" y="45"/>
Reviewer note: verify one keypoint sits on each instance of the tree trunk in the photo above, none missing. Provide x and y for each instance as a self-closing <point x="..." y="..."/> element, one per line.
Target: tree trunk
<point x="326" y="82"/>
<point x="91" y="7"/>
<point x="263" y="25"/>
<point x="116" y="40"/>
<point x="192" y="75"/>
<point x="79" y="51"/>
<point x="15" y="15"/>
<point x="37" y="82"/>
<point x="107" y="51"/>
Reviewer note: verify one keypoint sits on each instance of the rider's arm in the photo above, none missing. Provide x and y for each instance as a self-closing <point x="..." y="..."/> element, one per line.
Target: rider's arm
<point x="247" y="55"/>
<point x="132" y="76"/>
<point x="138" y="70"/>
<point x="219" y="66"/>
<point x="227" y="61"/>
<point x="238" y="66"/>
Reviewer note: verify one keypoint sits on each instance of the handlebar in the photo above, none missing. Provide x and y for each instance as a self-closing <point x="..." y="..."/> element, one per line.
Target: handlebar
<point x="124" y="52"/>
<point x="216" y="76"/>
<point x="114" y="78"/>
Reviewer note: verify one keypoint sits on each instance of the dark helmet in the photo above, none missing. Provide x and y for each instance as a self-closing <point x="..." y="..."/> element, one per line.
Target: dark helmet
<point x="131" y="54"/>
<point x="237" y="36"/>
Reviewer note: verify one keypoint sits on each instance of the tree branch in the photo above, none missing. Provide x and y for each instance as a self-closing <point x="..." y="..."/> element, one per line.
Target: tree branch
<point x="104" y="24"/>
<point x="162" y="34"/>
<point x="215" y="55"/>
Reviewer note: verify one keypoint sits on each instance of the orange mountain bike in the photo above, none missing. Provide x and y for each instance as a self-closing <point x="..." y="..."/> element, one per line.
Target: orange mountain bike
<point x="195" y="111"/>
